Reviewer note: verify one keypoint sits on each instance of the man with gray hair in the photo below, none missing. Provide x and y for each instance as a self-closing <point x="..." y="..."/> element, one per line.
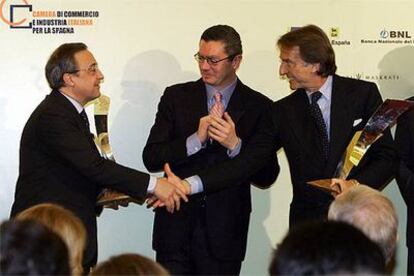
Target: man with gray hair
<point x="370" y="211"/>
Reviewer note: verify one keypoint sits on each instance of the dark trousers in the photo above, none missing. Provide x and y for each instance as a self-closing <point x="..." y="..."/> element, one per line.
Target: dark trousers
<point x="195" y="257"/>
<point x="410" y="262"/>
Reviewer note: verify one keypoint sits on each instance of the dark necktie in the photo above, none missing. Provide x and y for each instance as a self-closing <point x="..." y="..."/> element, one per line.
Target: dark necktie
<point x="85" y="119"/>
<point x="316" y="113"/>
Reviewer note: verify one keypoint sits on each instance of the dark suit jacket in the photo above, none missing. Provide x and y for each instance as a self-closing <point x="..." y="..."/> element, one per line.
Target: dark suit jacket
<point x="227" y="210"/>
<point x="289" y="125"/>
<point x="59" y="163"/>
<point x="404" y="140"/>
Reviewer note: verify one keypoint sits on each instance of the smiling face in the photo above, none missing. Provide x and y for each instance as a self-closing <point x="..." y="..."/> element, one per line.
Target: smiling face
<point x="299" y="73"/>
<point x="222" y="73"/>
<point x="85" y="83"/>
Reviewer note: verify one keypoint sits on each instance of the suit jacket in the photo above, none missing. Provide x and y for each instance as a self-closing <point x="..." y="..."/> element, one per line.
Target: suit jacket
<point x="227" y="210"/>
<point x="59" y="163"/>
<point x="289" y="125"/>
<point x="404" y="140"/>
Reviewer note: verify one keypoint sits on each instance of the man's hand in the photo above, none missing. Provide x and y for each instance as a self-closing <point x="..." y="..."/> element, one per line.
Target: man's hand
<point x="169" y="194"/>
<point x="223" y="131"/>
<point x="202" y="131"/>
<point x="183" y="185"/>
<point x="342" y="186"/>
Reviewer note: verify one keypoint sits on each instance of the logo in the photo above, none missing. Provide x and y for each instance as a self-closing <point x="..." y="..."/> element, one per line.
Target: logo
<point x="44" y="21"/>
<point x="384" y="34"/>
<point x="334" y="32"/>
<point x="375" y="77"/>
<point x="14" y="23"/>
<point x="387" y="36"/>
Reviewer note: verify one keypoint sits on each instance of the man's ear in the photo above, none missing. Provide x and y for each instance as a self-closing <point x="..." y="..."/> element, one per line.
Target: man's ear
<point x="67" y="79"/>
<point x="236" y="61"/>
<point x="315" y="67"/>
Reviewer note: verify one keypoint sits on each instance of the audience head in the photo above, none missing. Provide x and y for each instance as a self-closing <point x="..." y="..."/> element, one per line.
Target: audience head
<point x="29" y="248"/>
<point x="129" y="264"/>
<point x="370" y="211"/>
<point x="321" y="248"/>
<point x="64" y="223"/>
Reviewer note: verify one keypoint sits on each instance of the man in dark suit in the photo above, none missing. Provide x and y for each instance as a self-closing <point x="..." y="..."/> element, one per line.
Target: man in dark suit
<point x="59" y="161"/>
<point x="210" y="232"/>
<point x="314" y="133"/>
<point x="404" y="139"/>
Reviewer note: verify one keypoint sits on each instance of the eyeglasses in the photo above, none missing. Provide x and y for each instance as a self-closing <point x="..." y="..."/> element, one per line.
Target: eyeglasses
<point x="91" y="70"/>
<point x="211" y="61"/>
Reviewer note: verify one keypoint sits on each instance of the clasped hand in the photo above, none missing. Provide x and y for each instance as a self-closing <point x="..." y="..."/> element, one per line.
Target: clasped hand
<point x="169" y="191"/>
<point x="222" y="130"/>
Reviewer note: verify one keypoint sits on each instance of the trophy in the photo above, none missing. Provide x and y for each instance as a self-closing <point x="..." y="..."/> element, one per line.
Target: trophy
<point x="385" y="116"/>
<point x="107" y="198"/>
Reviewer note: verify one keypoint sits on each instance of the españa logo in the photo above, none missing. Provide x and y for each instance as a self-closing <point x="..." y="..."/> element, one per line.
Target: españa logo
<point x="16" y="23"/>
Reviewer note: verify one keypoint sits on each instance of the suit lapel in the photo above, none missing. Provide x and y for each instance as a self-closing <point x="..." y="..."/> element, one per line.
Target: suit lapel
<point x="340" y="123"/>
<point x="71" y="110"/>
<point x="235" y="108"/>
<point x="198" y="102"/>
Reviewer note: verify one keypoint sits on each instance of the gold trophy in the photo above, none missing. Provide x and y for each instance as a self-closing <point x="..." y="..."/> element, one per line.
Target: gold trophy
<point x="385" y="116"/>
<point x="107" y="198"/>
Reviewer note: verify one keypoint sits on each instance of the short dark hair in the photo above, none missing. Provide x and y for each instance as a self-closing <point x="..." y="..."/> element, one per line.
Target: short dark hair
<point x="29" y="248"/>
<point x="62" y="61"/>
<point x="314" y="47"/>
<point x="321" y="248"/>
<point x="228" y="35"/>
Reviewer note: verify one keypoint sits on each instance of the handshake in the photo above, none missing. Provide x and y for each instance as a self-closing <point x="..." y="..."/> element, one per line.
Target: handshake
<point x="168" y="193"/>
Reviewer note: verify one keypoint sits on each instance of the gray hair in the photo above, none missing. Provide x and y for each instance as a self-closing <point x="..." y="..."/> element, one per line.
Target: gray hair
<point x="370" y="211"/>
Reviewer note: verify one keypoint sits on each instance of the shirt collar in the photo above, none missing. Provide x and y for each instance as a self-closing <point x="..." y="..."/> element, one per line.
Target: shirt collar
<point x="226" y="92"/>
<point x="325" y="89"/>
<point x="77" y="105"/>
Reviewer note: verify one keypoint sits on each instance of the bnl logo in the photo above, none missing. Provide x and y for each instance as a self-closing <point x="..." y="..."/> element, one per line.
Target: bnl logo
<point x="394" y="34"/>
<point x="13" y="22"/>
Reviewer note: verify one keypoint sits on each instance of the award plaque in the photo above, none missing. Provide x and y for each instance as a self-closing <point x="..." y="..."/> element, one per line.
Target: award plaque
<point x="107" y="198"/>
<point x="385" y="116"/>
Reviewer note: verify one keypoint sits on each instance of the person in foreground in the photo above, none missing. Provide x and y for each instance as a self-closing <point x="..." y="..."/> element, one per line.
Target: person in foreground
<point x="30" y="248"/>
<point x="371" y="212"/>
<point x="129" y="264"/>
<point x="59" y="162"/>
<point x="64" y="223"/>
<point x="326" y="248"/>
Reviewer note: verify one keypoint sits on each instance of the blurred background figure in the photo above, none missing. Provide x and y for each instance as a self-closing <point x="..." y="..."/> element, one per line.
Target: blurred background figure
<point x="371" y="212"/>
<point x="129" y="264"/>
<point x="66" y="225"/>
<point x="30" y="248"/>
<point x="322" y="248"/>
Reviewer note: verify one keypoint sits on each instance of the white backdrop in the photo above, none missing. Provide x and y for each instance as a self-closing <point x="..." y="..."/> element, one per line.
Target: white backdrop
<point x="143" y="46"/>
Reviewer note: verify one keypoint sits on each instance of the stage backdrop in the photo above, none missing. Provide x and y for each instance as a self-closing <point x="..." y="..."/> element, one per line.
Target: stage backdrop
<point x="143" y="46"/>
